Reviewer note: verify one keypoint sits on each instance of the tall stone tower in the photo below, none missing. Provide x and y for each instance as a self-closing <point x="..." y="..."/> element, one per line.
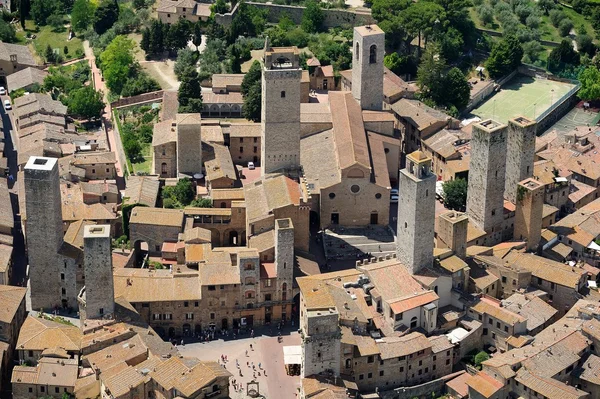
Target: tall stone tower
<point x="452" y="232"/>
<point x="485" y="195"/>
<point x="520" y="152"/>
<point x="529" y="212"/>
<point x="44" y="233"/>
<point x="97" y="298"/>
<point x="280" y="140"/>
<point x="367" y="66"/>
<point x="416" y="213"/>
<point x="322" y="343"/>
<point x="284" y="257"/>
<point x="189" y="145"/>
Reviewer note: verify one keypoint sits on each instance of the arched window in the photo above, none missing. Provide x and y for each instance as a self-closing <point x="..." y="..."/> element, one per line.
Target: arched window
<point x="163" y="168"/>
<point x="413" y="322"/>
<point x="284" y="291"/>
<point x="373" y="54"/>
<point x="357" y="51"/>
<point x="223" y="205"/>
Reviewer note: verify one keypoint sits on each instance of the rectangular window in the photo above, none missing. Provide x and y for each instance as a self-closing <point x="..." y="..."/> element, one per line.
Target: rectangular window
<point x="189" y="316"/>
<point x="255" y="149"/>
<point x="268" y="282"/>
<point x="62" y="276"/>
<point x="196" y="304"/>
<point x="381" y="373"/>
<point x="402" y="369"/>
<point x="256" y="139"/>
<point x="241" y="150"/>
<point x="185" y="304"/>
<point x="370" y="359"/>
<point x="212" y="288"/>
<point x="505" y="328"/>
<point x="361" y="377"/>
<point x="370" y="375"/>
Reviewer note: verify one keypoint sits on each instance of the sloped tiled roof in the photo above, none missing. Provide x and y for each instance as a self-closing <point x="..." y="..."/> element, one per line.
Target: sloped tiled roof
<point x="10" y="300"/>
<point x="38" y="334"/>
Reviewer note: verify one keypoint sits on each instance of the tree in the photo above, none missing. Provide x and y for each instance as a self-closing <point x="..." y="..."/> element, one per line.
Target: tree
<point x="312" y="17"/>
<point x="505" y="57"/>
<point x="138" y="84"/>
<point x="24" y="9"/>
<point x="202" y="203"/>
<point x="42" y="9"/>
<point x="457" y="90"/>
<point x="7" y="32"/>
<point x="565" y="26"/>
<point x="86" y="103"/>
<point x="253" y="104"/>
<point x="387" y="14"/>
<point x="556" y="16"/>
<point x="186" y="58"/>
<point x="56" y="21"/>
<point x="66" y="50"/>
<point x="455" y="194"/>
<point x="532" y="50"/>
<point x="105" y="15"/>
<point x="590" y="84"/>
<point x="486" y="14"/>
<point x="451" y="44"/>
<point x="116" y="61"/>
<point x="562" y="56"/>
<point x="480" y="358"/>
<point x="422" y="19"/>
<point x="585" y="45"/>
<point x="430" y="75"/>
<point x="50" y="56"/>
<point x="394" y="62"/>
<point x="82" y="14"/>
<point x="252" y="77"/>
<point x="178" y="35"/>
<point x="197" y="35"/>
<point x="184" y="191"/>
<point x="545" y="5"/>
<point x="190" y="92"/>
<point x="219" y="7"/>
<point x="139" y="4"/>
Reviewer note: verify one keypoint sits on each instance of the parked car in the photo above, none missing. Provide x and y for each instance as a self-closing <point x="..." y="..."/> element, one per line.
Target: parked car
<point x="2" y="91"/>
<point x="394" y="198"/>
<point x="251" y="165"/>
<point x="7" y="105"/>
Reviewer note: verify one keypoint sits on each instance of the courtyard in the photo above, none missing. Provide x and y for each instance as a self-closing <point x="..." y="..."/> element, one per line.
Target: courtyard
<point x="522" y="96"/>
<point x="274" y="383"/>
<point x="575" y="118"/>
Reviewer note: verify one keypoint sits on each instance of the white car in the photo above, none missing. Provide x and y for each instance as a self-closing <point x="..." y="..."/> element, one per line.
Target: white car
<point x="394" y="198"/>
<point x="2" y="91"/>
<point x="394" y="191"/>
<point x="7" y="104"/>
<point x="251" y="166"/>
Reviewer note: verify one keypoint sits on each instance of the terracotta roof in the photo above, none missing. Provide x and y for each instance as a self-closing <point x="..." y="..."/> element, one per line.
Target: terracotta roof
<point x="144" y="285"/>
<point x="549" y="387"/>
<point x="313" y="62"/>
<point x="39" y="334"/>
<point x="121" y="383"/>
<point x="227" y="194"/>
<point x="535" y="310"/>
<point x="170" y="105"/>
<point x="6" y="252"/>
<point x="247" y="129"/>
<point x="419" y="114"/>
<point x="24" y="375"/>
<point x="348" y="130"/>
<point x="393" y="347"/>
<point x="493" y="308"/>
<point x="188" y="378"/>
<point x="453" y="264"/>
<point x="224" y="80"/>
<point x="38" y="103"/>
<point x="6" y="212"/>
<point x="315" y="288"/>
<point x="164" y="132"/>
<point x="222" y="164"/>
<point x="268" y="270"/>
<point x="88" y="158"/>
<point x="233" y="97"/>
<point x="484" y="384"/>
<point x="459" y="385"/>
<point x="25" y="77"/>
<point x="125" y="351"/>
<point x="379" y="160"/>
<point x="393" y="281"/>
<point x="319" y="160"/>
<point x="197" y="235"/>
<point x="142" y="190"/>
<point x="219" y="274"/>
<point x="579" y="191"/>
<point x="57" y="372"/>
<point x="24" y="56"/>
<point x="263" y="241"/>
<point x="420" y="299"/>
<point x="157" y="216"/>
<point x="440" y="343"/>
<point x="10" y="301"/>
<point x="270" y="193"/>
<point x="589" y="370"/>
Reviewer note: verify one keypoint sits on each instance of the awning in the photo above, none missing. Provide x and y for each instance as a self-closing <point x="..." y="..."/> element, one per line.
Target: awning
<point x="292" y="354"/>
<point x="594" y="246"/>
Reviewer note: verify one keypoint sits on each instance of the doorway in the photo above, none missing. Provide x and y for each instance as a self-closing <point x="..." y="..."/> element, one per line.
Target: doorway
<point x="335" y="218"/>
<point x="324" y="84"/>
<point x="374" y="218"/>
<point x="224" y="324"/>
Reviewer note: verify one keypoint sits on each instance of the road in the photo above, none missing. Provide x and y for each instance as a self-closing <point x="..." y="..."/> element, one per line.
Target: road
<point x="113" y="141"/>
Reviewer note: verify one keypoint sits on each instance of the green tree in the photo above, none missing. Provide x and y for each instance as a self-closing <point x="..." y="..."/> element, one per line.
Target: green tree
<point x="585" y="45"/>
<point x="202" y="203"/>
<point x="139" y="4"/>
<point x="252" y="77"/>
<point x="480" y="358"/>
<point x="285" y="23"/>
<point x="546" y="5"/>
<point x="116" y="61"/>
<point x="197" y="34"/>
<point x="219" y="7"/>
<point x="86" y="103"/>
<point x="253" y="104"/>
<point x="532" y="50"/>
<point x="455" y="194"/>
<point x="505" y="57"/>
<point x="139" y="83"/>
<point x="457" y="90"/>
<point x="190" y="92"/>
<point x="186" y="58"/>
<point x="565" y="26"/>
<point x="56" y="21"/>
<point x="82" y="14"/>
<point x="105" y="15"/>
<point x="49" y="54"/>
<point x="42" y="9"/>
<point x="178" y="35"/>
<point x="24" y="10"/>
<point x="312" y="17"/>
<point x="394" y="62"/>
<point x="590" y="84"/>
<point x="421" y="19"/>
<point x="388" y="13"/>
<point x="562" y="56"/>
<point x="451" y="44"/>
<point x="556" y="16"/>
<point x="182" y="192"/>
<point x="430" y="75"/>
<point x="7" y="32"/>
<point x="486" y="14"/>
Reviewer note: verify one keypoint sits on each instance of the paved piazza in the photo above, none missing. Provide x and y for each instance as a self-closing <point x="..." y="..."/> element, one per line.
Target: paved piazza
<point x="276" y="384"/>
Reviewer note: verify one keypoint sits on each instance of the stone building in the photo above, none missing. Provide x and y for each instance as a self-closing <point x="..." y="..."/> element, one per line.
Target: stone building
<point x="189" y="145"/>
<point x="244" y="143"/>
<point x="345" y="164"/>
<point x="225" y="100"/>
<point x="485" y="194"/>
<point x="416" y="213"/>
<point x="14" y="57"/>
<point x="154" y="226"/>
<point x="44" y="234"/>
<point x="170" y="11"/>
<point x="164" y="149"/>
<point x="452" y="232"/>
<point x="367" y="67"/>
<point x="12" y="317"/>
<point x="449" y="150"/>
<point x="520" y="153"/>
<point x="529" y="212"/>
<point x="97" y="298"/>
<point x="280" y="119"/>
<point x="97" y="165"/>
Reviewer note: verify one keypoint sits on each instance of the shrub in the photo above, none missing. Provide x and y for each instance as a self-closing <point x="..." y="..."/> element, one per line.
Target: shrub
<point x="486" y="14"/>
<point x="480" y="358"/>
<point x="556" y="16"/>
<point x="565" y="26"/>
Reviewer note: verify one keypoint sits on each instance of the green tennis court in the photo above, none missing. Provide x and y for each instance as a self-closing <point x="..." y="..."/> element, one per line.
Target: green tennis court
<point x="523" y="95"/>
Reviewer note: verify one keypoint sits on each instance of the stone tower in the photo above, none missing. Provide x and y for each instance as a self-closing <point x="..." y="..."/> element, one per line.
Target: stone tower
<point x="452" y="232"/>
<point x="189" y="145"/>
<point x="44" y="233"/>
<point x="97" y="298"/>
<point x="280" y="140"/>
<point x="529" y="212"/>
<point x="367" y="66"/>
<point x="520" y="152"/>
<point x="284" y="257"/>
<point x="321" y="345"/>
<point x="485" y="194"/>
<point x="416" y="213"/>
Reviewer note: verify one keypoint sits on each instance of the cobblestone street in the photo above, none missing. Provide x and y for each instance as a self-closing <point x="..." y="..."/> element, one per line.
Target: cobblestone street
<point x="273" y="381"/>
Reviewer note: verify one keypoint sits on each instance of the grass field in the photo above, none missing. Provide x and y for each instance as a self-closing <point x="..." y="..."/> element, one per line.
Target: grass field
<point x="522" y="96"/>
<point x="46" y="36"/>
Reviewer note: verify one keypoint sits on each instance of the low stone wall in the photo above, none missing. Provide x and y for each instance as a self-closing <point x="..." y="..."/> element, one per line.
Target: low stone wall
<point x="332" y="17"/>
<point x="500" y="34"/>
<point x="141" y="98"/>
<point x="425" y="390"/>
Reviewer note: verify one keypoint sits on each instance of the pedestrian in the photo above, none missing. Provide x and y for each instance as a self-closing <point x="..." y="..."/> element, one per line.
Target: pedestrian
<point x="259" y="365"/>
<point x="251" y="347"/>
<point x="247" y="351"/>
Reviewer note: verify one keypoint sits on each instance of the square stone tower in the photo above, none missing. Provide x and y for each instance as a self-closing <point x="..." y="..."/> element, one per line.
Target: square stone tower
<point x="44" y="233"/>
<point x="529" y="212"/>
<point x="321" y="343"/>
<point x="189" y="145"/>
<point x="97" y="298"/>
<point x="452" y="232"/>
<point x="284" y="257"/>
<point x="367" y="66"/>
<point x="485" y="194"/>
<point x="520" y="152"/>
<point x="416" y="213"/>
<point x="280" y="115"/>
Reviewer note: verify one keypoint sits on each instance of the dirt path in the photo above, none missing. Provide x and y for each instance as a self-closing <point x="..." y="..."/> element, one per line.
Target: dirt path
<point x="162" y="71"/>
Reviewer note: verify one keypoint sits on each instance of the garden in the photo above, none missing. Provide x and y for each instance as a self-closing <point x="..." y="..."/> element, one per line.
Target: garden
<point x="135" y="126"/>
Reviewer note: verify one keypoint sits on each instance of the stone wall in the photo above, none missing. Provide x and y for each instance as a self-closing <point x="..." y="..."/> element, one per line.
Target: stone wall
<point x="436" y="387"/>
<point x="141" y="98"/>
<point x="333" y="17"/>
